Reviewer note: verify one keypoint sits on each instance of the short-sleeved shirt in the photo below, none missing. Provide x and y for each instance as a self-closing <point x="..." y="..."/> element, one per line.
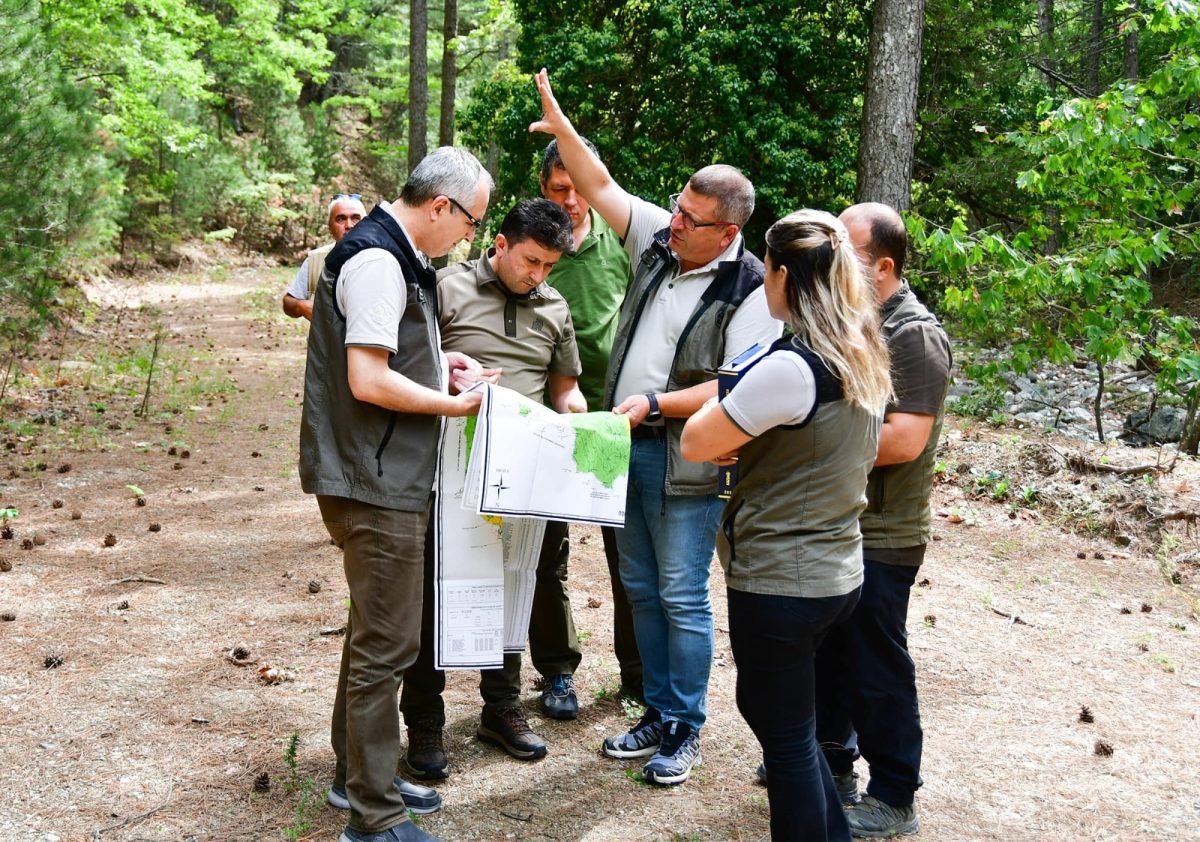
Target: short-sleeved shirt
<point x="593" y="280"/>
<point x="920" y="362"/>
<point x="654" y="341"/>
<point x="778" y="391"/>
<point x="298" y="288"/>
<point x="528" y="336"/>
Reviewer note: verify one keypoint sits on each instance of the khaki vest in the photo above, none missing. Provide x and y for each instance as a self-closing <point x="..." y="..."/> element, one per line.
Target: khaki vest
<point x="316" y="263"/>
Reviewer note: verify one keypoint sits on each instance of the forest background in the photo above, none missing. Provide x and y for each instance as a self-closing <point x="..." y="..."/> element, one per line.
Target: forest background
<point x="1046" y="153"/>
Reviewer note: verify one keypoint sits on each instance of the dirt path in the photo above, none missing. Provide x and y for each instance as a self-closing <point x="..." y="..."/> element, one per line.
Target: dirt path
<point x="147" y="730"/>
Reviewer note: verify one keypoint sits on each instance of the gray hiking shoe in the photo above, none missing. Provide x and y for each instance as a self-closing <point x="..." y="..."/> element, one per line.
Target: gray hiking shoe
<point x="874" y="819"/>
<point x="403" y="832"/>
<point x="639" y="741"/>
<point x="421" y="800"/>
<point x="676" y="755"/>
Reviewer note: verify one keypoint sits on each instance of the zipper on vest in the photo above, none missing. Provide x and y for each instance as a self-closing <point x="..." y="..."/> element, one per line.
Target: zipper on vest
<point x="387" y="436"/>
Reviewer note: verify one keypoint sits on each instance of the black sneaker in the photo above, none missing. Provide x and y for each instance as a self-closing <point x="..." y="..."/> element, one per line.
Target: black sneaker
<point x="639" y="741"/>
<point x="406" y="831"/>
<point x="508" y="729"/>
<point x="421" y="800"/>
<point x="875" y="819"/>
<point x="676" y="755"/>
<point x="426" y="755"/>
<point x="846" y="784"/>
<point x="558" y="698"/>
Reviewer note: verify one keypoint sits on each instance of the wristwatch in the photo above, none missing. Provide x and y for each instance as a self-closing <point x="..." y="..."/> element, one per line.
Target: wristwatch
<point x="655" y="414"/>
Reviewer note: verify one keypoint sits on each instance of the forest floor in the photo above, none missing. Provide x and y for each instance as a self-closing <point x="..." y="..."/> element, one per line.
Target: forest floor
<point x="1054" y="628"/>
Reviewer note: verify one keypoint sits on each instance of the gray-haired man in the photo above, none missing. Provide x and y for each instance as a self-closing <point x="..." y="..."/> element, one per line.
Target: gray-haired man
<point x="375" y="385"/>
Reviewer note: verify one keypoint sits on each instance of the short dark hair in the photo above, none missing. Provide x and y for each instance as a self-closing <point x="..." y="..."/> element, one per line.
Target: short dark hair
<point x="539" y="220"/>
<point x="889" y="239"/>
<point x="551" y="158"/>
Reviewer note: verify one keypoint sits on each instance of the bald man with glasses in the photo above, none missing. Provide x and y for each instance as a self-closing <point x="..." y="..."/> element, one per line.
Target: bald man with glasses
<point x="696" y="301"/>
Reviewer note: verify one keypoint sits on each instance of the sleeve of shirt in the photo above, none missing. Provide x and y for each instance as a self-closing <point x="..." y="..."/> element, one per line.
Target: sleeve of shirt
<point x="920" y="368"/>
<point x="299" y="286"/>
<point x="750" y="324"/>
<point x="754" y="405"/>
<point x="565" y="358"/>
<point x="371" y="294"/>
<point x="645" y="220"/>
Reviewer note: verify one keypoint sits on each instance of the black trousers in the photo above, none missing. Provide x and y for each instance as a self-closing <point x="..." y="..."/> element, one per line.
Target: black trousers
<point x="867" y="688"/>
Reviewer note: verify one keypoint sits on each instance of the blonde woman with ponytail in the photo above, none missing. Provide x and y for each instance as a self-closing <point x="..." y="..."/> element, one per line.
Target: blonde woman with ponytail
<point x="803" y="424"/>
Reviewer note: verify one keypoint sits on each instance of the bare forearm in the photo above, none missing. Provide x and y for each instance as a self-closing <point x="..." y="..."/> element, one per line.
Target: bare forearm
<point x="686" y="402"/>
<point x="297" y="307"/>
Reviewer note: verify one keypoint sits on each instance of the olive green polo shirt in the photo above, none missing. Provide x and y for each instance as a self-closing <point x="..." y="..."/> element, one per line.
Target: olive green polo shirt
<point x="526" y="335"/>
<point x="593" y="280"/>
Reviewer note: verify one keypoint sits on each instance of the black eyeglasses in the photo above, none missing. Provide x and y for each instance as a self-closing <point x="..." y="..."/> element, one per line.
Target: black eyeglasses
<point x="475" y="223"/>
<point x="355" y="196"/>
<point x="689" y="222"/>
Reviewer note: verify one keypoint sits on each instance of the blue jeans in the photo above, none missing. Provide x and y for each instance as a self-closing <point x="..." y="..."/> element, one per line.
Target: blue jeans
<point x="867" y="688"/>
<point x="775" y="640"/>
<point x="666" y="553"/>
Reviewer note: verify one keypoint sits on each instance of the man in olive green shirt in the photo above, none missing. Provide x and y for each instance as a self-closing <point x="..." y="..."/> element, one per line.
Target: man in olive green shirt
<point x="593" y="280"/>
<point x="519" y="327"/>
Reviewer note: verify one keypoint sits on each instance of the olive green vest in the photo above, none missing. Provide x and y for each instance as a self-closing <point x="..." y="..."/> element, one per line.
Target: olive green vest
<point x="351" y="448"/>
<point x="699" y="352"/>
<point x="898" y="510"/>
<point x="791" y="526"/>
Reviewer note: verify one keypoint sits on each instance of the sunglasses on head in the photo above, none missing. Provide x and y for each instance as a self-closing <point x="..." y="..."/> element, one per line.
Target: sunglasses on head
<point x="355" y="196"/>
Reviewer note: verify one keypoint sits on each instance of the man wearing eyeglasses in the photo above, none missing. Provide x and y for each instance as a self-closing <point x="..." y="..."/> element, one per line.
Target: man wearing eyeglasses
<point x="695" y="302"/>
<point x="345" y="211"/>
<point x="374" y="385"/>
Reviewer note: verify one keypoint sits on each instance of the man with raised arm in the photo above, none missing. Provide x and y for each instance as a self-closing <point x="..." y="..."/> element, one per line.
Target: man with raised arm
<point x="374" y="386"/>
<point x="866" y="682"/>
<point x="345" y="211"/>
<point x="695" y="302"/>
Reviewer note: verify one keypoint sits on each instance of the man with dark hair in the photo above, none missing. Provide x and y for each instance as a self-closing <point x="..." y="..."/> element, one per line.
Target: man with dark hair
<point x="374" y="386"/>
<point x="593" y="280"/>
<point x="696" y="301"/>
<point x="498" y="310"/>
<point x="345" y="211"/>
<point x="866" y="681"/>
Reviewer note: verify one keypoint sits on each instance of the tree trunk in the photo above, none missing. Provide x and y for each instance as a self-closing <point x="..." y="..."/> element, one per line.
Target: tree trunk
<point x="1094" y="46"/>
<point x="449" y="74"/>
<point x="885" y="152"/>
<point x="1045" y="20"/>
<point x="1131" y="43"/>
<point x="418" y="83"/>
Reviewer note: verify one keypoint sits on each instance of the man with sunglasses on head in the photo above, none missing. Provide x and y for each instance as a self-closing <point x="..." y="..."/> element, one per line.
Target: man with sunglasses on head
<point x="375" y="383"/>
<point x="345" y="211"/>
<point x="696" y="301"/>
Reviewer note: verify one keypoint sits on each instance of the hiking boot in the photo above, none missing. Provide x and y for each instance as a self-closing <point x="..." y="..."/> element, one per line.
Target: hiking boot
<point x="426" y="755"/>
<point x="640" y="741"/>
<point x="508" y="729"/>
<point x="874" y="819"/>
<point x="558" y="698"/>
<point x="676" y="755"/>
<point x="406" y="831"/>
<point x="846" y="784"/>
<point x="419" y="799"/>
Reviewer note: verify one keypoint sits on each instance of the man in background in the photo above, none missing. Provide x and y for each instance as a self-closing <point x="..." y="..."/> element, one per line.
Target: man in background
<point x="345" y="211"/>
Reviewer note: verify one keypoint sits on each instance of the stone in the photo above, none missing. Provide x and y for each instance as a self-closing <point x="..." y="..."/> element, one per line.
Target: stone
<point x="1163" y="426"/>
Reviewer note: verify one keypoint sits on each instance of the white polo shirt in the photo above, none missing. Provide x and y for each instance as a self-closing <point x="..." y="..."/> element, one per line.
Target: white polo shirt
<point x="647" y="365"/>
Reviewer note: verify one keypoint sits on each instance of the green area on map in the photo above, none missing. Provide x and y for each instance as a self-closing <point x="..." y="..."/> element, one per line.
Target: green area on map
<point x="601" y="445"/>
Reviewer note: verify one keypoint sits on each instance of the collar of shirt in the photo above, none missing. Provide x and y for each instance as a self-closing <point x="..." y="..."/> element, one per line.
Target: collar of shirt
<point x="387" y="206"/>
<point x="730" y="253"/>
<point x="485" y="274"/>
<point x="889" y="306"/>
